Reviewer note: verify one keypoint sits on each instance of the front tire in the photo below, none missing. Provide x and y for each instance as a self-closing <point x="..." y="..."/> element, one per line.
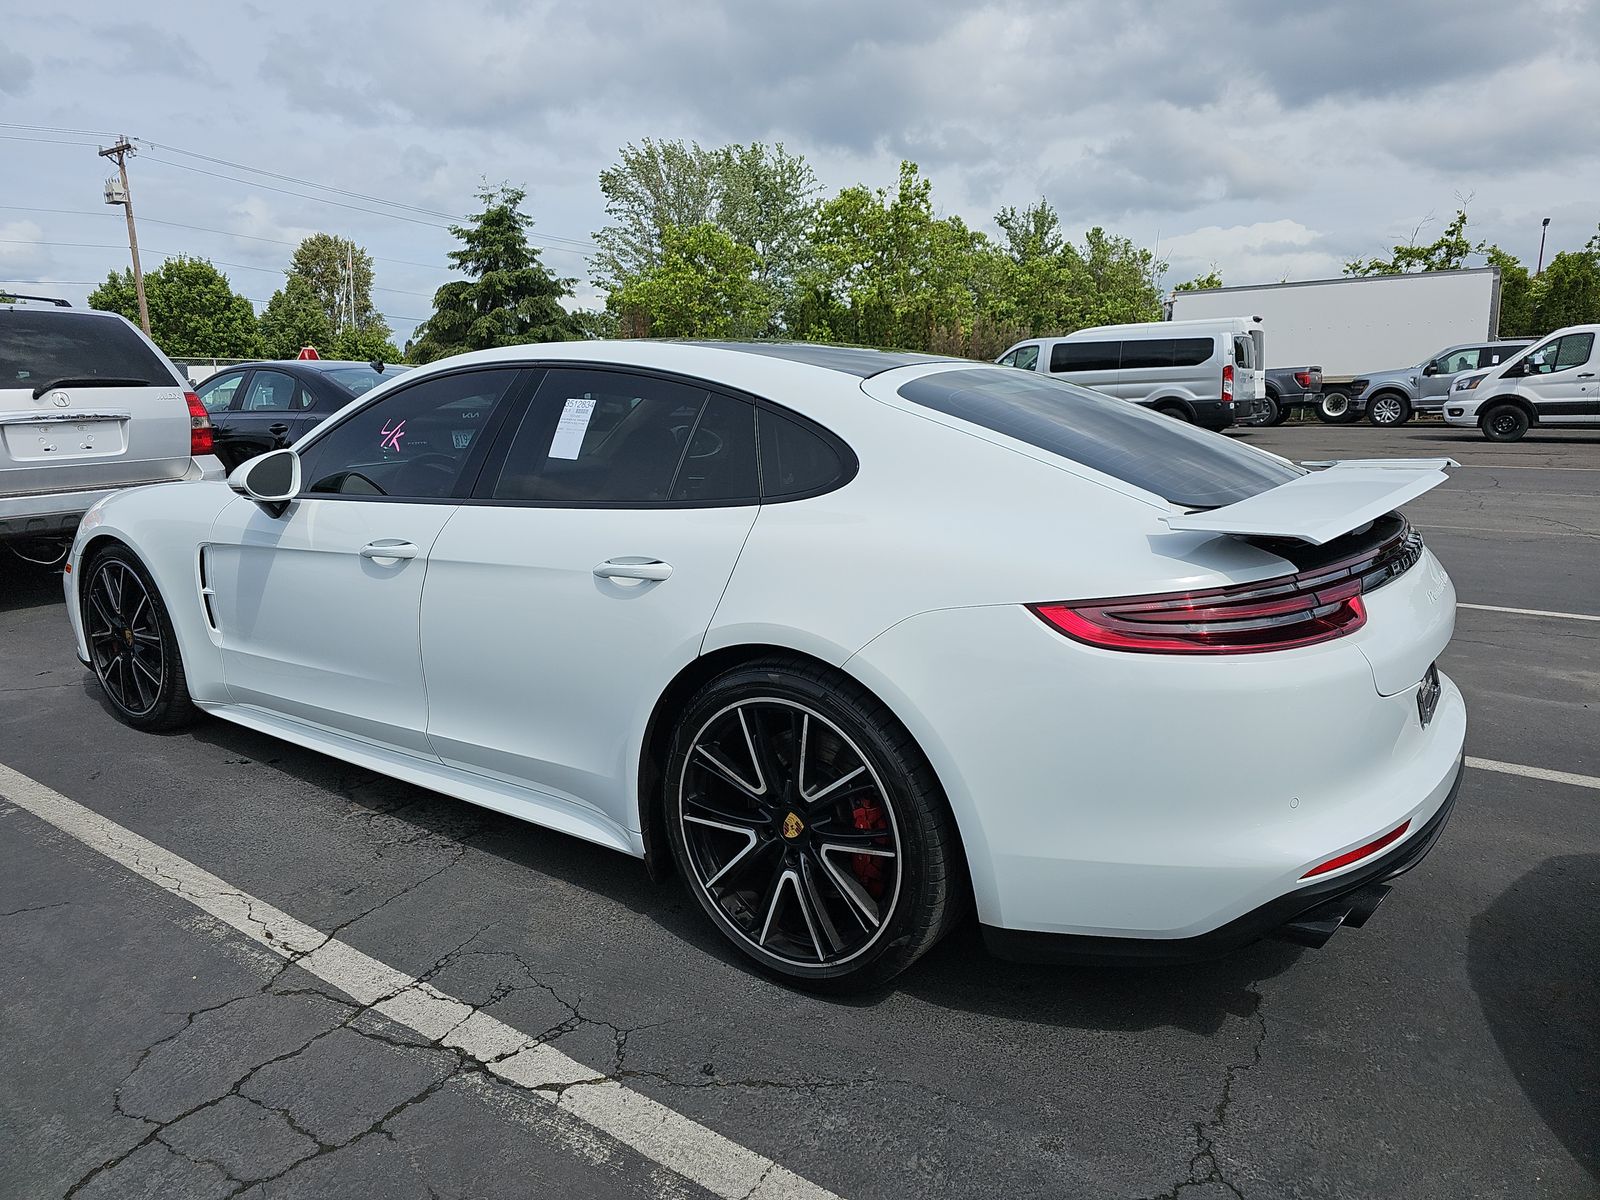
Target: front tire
<point x="1388" y="409"/>
<point x="1504" y="423"/>
<point x="133" y="650"/>
<point x="809" y="826"/>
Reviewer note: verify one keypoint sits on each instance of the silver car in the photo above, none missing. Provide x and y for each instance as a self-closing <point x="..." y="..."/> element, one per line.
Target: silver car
<point x="88" y="405"/>
<point x="1391" y="397"/>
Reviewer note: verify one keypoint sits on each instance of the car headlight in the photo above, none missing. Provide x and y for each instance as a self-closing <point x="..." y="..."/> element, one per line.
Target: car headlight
<point x="1467" y="382"/>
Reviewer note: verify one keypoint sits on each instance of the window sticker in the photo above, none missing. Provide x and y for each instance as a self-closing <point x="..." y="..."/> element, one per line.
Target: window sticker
<point x="570" y="428"/>
<point x="390" y="437"/>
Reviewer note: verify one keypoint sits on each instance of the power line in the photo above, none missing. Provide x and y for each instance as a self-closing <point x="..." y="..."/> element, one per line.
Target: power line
<point x="54" y="129"/>
<point x="17" y="137"/>
<point x="223" y="162"/>
<point x="254" y="237"/>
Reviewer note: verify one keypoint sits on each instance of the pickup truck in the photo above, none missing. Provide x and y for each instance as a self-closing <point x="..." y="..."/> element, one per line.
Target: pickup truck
<point x="1287" y="388"/>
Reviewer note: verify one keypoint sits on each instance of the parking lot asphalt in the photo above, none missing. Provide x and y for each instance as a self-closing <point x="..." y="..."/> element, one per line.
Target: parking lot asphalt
<point x="1450" y="1048"/>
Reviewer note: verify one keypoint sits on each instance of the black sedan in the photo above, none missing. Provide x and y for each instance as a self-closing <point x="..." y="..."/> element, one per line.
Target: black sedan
<point x="263" y="406"/>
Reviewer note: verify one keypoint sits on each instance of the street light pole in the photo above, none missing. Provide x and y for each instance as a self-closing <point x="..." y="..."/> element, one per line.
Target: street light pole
<point x="119" y="153"/>
<point x="1544" y="226"/>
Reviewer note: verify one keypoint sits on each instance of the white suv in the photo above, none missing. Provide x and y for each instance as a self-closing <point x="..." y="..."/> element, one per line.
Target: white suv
<point x="1555" y="382"/>
<point x="88" y="405"/>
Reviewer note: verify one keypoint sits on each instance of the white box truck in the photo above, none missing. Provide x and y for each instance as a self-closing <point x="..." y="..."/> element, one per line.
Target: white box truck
<point x="1361" y="325"/>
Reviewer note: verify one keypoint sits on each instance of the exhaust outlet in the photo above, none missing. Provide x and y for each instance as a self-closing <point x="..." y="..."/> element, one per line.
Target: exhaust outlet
<point x="1316" y="925"/>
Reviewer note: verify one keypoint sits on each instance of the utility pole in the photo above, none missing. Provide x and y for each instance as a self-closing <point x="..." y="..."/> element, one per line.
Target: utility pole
<point x="116" y="194"/>
<point x="1544" y="227"/>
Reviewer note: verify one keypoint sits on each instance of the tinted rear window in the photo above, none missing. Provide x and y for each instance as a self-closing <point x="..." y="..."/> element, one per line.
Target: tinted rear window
<point x="1183" y="465"/>
<point x="794" y="460"/>
<point x="357" y="380"/>
<point x="1085" y="356"/>
<point x="37" y="347"/>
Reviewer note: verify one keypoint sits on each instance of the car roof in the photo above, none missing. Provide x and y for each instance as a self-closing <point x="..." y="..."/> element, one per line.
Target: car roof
<point x="861" y="361"/>
<point x="307" y="364"/>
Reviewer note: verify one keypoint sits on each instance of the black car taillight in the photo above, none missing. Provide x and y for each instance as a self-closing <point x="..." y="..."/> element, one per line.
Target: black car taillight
<point x="1303" y="609"/>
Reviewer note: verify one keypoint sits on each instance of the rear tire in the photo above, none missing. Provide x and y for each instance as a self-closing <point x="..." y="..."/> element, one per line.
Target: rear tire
<point x="1176" y="411"/>
<point x="1504" y="423"/>
<point x="1388" y="409"/>
<point x="1336" y="408"/>
<point x="133" y="650"/>
<point x="1270" y="412"/>
<point x="809" y="826"/>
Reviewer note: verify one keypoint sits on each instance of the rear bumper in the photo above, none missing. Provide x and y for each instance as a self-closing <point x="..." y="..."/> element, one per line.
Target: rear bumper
<point x="1213" y="414"/>
<point x="1275" y="917"/>
<point x="56" y="514"/>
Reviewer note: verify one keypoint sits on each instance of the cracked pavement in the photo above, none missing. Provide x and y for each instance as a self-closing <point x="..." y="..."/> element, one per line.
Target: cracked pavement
<point x="1449" y="1048"/>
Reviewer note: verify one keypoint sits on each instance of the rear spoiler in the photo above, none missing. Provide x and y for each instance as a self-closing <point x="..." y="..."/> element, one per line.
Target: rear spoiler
<point x="1322" y="505"/>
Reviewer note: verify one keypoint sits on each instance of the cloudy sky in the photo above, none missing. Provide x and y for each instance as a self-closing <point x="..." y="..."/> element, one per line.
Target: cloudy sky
<point x="1273" y="140"/>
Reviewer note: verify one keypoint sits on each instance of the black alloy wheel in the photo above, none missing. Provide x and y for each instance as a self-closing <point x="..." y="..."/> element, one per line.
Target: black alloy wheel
<point x="132" y="649"/>
<point x="809" y="827"/>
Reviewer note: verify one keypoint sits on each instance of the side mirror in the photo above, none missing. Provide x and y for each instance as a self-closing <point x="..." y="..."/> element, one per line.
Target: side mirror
<point x="272" y="480"/>
<point x="1431" y="369"/>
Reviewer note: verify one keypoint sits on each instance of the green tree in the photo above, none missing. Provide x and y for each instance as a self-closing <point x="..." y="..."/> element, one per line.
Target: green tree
<point x="1568" y="292"/>
<point x="294" y="318"/>
<point x="762" y="196"/>
<point x="1211" y="279"/>
<point x="706" y="284"/>
<point x="194" y="312"/>
<point x="1114" y="280"/>
<point x="339" y="274"/>
<point x="1448" y="253"/>
<point x="1516" y="294"/>
<point x="511" y="298"/>
<point x="364" y="345"/>
<point x="886" y="271"/>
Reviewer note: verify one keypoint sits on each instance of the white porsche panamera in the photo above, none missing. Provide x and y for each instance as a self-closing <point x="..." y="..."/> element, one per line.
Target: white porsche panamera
<point x="854" y="639"/>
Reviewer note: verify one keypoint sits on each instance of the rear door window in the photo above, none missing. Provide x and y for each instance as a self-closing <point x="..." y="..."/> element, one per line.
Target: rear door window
<point x="1085" y="356"/>
<point x="1147" y="355"/>
<point x="1177" y="462"/>
<point x="270" y="391"/>
<point x="1244" y="353"/>
<point x="41" y="347"/>
<point x="614" y="437"/>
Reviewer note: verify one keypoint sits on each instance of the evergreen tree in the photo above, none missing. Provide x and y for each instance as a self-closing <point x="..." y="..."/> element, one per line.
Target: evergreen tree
<point x="511" y="297"/>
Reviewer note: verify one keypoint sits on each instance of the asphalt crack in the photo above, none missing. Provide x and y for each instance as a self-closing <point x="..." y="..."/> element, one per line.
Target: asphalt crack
<point x="1204" y="1169"/>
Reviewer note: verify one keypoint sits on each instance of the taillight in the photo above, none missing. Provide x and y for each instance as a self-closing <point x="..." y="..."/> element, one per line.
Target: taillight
<point x="200" y="435"/>
<point x="1315" y="605"/>
<point x="1242" y="620"/>
<point x="1360" y="852"/>
<point x="1303" y="378"/>
<point x="1227" y="384"/>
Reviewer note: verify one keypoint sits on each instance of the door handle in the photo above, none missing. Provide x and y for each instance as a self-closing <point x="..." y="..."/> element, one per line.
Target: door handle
<point x="389" y="548"/>
<point x="278" y="428"/>
<point x="654" y="569"/>
<point x="1586" y="375"/>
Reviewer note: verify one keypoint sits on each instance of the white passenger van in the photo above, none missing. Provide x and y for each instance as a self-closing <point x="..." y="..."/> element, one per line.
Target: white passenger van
<point x="1209" y="372"/>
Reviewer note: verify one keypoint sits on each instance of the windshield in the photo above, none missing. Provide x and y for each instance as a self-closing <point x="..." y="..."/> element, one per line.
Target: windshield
<point x="1181" y="464"/>
<point x="357" y="380"/>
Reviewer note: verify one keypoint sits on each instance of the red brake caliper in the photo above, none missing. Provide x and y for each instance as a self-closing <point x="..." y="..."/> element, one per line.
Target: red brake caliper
<point x="868" y="868"/>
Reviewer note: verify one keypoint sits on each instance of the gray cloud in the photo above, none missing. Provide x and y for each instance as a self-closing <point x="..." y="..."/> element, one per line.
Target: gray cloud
<point x="1278" y="139"/>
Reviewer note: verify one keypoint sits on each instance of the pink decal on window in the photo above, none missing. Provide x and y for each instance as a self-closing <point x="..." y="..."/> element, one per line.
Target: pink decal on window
<point x="391" y="437"/>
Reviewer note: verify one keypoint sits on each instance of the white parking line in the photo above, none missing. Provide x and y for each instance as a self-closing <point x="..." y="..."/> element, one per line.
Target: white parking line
<point x="1525" y="467"/>
<point x="1489" y="764"/>
<point x="664" y="1135"/>
<point x="1510" y="532"/>
<point x="1530" y="612"/>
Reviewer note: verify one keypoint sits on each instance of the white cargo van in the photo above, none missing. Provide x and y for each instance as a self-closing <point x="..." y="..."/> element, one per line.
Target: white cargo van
<point x="1209" y="372"/>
